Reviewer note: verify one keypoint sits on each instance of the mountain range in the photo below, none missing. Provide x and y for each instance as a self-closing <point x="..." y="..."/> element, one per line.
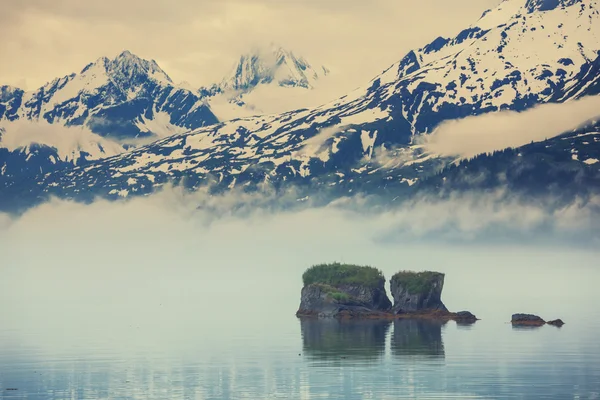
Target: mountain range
<point x="122" y="102"/>
<point x="518" y="55"/>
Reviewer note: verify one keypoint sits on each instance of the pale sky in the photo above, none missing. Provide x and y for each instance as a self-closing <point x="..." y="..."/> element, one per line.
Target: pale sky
<point x="199" y="41"/>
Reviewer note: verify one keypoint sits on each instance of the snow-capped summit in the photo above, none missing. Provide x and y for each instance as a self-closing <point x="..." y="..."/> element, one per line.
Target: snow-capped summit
<point x="125" y="97"/>
<point x="127" y="68"/>
<point x="273" y="64"/>
<point x="266" y="80"/>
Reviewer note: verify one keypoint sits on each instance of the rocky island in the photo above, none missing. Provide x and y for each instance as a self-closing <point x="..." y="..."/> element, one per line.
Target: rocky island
<point x="343" y="290"/>
<point x="352" y="291"/>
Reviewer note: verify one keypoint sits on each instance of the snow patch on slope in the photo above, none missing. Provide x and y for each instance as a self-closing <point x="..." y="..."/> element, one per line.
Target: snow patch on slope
<point x="160" y="124"/>
<point x="499" y="15"/>
<point x="89" y="81"/>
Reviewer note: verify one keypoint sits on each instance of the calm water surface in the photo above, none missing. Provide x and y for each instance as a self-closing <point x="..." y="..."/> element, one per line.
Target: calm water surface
<point x="184" y="334"/>
<point x="307" y="359"/>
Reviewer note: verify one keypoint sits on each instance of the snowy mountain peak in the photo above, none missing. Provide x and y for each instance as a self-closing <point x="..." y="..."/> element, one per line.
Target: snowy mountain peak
<point x="126" y="97"/>
<point x="127" y="68"/>
<point x="272" y="64"/>
<point x="131" y="67"/>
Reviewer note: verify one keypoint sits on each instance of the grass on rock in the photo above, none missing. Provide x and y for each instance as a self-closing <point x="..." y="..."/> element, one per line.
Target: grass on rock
<point x="343" y="274"/>
<point x="416" y="282"/>
<point x="333" y="292"/>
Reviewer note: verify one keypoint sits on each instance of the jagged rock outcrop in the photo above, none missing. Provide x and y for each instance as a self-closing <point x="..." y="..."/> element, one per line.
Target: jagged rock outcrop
<point x="417" y="292"/>
<point x="343" y="291"/>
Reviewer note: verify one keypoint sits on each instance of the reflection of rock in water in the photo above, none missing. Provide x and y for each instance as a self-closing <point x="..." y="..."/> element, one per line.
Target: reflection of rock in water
<point x="525" y="327"/>
<point x="465" y="325"/>
<point x="337" y="339"/>
<point x="418" y="337"/>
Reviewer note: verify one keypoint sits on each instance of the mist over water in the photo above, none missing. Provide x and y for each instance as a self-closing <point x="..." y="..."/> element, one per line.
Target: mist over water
<point x="184" y="301"/>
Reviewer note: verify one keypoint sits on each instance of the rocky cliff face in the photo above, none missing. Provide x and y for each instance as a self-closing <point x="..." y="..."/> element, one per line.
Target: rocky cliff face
<point x="321" y="300"/>
<point x="376" y="298"/>
<point x="417" y="292"/>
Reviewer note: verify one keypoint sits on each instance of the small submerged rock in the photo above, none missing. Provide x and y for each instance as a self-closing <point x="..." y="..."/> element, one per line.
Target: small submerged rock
<point x="464" y="317"/>
<point x="527" y="319"/>
<point x="533" y="320"/>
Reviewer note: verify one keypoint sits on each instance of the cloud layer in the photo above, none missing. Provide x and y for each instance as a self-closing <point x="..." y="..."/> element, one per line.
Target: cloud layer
<point x="155" y="272"/>
<point x="68" y="140"/>
<point x="463" y="217"/>
<point x="496" y="131"/>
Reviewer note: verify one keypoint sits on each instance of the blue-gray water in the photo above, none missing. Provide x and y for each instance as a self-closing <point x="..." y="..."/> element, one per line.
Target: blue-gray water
<point x="178" y="312"/>
<point x="282" y="357"/>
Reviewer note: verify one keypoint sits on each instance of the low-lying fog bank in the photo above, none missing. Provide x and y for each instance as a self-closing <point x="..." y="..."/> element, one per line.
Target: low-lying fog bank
<point x="161" y="266"/>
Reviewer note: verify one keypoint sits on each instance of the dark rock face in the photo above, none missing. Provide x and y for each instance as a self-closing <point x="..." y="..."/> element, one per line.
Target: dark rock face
<point x="547" y="5"/>
<point x="556" y="322"/>
<point x="426" y="299"/>
<point x="344" y="301"/>
<point x="527" y="319"/>
<point x="375" y="298"/>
